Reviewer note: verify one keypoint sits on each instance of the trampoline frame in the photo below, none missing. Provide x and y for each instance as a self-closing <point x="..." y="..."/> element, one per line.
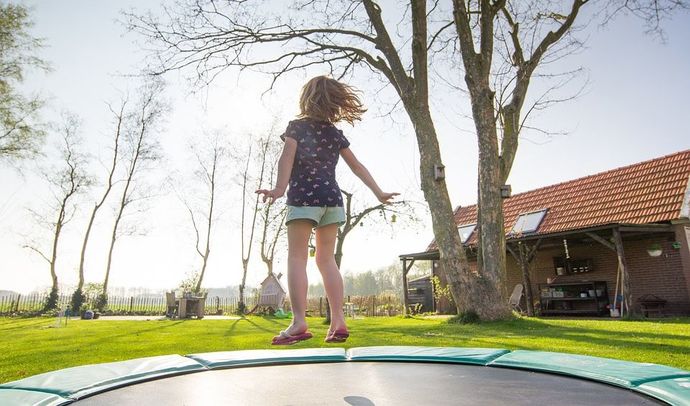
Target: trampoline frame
<point x="62" y="387"/>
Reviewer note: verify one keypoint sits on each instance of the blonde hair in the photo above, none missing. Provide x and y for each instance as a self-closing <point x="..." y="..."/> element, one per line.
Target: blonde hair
<point x="326" y="99"/>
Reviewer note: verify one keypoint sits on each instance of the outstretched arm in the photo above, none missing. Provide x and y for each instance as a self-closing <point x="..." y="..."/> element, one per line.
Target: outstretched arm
<point x="287" y="157"/>
<point x="363" y="173"/>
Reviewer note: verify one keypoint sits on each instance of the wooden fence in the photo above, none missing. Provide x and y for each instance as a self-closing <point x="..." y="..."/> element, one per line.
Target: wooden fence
<point x="146" y="305"/>
<point x="372" y="306"/>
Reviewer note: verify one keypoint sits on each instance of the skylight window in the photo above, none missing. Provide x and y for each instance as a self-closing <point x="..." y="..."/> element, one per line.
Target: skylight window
<point x="466" y="232"/>
<point x="528" y="222"/>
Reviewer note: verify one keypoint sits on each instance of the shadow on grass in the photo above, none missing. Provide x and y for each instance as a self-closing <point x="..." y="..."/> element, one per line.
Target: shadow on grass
<point x="260" y="327"/>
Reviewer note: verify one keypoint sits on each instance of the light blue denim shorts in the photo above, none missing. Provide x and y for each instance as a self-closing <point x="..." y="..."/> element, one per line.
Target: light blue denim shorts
<point x="320" y="216"/>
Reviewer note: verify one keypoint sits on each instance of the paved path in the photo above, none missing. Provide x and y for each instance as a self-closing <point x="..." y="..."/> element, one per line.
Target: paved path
<point x="147" y="318"/>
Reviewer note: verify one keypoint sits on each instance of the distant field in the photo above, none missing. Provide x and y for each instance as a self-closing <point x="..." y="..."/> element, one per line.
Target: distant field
<point x="32" y="346"/>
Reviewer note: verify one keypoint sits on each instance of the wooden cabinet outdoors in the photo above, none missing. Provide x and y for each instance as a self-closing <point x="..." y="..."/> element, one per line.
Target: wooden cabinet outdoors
<point x="586" y="297"/>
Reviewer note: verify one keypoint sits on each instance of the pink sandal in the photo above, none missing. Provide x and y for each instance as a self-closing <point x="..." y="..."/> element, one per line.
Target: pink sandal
<point x="286" y="339"/>
<point x="338" y="336"/>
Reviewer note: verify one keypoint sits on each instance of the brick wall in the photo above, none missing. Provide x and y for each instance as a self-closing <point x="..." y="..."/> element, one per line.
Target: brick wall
<point x="661" y="276"/>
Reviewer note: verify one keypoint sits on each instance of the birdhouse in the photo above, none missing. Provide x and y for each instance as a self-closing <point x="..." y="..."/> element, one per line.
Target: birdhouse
<point x="439" y="172"/>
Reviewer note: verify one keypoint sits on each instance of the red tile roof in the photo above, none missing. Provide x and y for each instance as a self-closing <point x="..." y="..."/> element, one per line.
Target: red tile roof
<point x="648" y="192"/>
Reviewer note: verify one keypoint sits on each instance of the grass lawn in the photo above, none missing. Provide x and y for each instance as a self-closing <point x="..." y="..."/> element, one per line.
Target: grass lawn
<point x="31" y="346"/>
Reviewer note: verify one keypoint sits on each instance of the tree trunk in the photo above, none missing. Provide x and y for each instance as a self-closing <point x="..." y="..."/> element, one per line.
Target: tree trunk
<point x="490" y="285"/>
<point x="83" y="247"/>
<point x="113" y="238"/>
<point x="242" y="304"/>
<point x="453" y="260"/>
<point x="340" y="241"/>
<point x="203" y="271"/>
<point x="53" y="255"/>
<point x="207" y="251"/>
<point x="98" y="205"/>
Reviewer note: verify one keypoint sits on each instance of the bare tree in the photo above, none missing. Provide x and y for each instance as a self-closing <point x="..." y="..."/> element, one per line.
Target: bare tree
<point x="273" y="224"/>
<point x="78" y="296"/>
<point x="388" y="213"/>
<point x="210" y="36"/>
<point x="66" y="182"/>
<point x="247" y="179"/>
<point x="355" y="217"/>
<point x="273" y="214"/>
<point x="502" y="44"/>
<point x="210" y="158"/>
<point x="141" y="149"/>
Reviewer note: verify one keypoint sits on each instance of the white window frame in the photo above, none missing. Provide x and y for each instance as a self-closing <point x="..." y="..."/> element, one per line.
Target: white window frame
<point x="523" y="216"/>
<point x="469" y="235"/>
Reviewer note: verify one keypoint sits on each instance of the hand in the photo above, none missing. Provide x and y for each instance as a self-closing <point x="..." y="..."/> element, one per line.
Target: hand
<point x="386" y="197"/>
<point x="270" y="195"/>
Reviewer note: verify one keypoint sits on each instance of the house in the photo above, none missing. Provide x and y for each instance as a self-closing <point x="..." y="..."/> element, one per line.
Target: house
<point x="616" y="240"/>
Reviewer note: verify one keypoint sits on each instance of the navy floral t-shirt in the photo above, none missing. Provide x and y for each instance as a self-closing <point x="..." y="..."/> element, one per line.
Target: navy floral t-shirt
<point x="312" y="181"/>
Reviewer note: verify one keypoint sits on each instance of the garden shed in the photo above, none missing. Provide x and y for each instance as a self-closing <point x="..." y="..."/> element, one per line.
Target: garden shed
<point x="587" y="245"/>
<point x="421" y="295"/>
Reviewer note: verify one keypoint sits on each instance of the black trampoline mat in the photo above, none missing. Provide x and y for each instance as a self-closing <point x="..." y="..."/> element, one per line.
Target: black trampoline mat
<point x="369" y="383"/>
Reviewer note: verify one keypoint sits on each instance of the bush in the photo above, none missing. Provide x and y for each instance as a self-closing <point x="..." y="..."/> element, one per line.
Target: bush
<point x="101" y="302"/>
<point x="78" y="299"/>
<point x="51" y="302"/>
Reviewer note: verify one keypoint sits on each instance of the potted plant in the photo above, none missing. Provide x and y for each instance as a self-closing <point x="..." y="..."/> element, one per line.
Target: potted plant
<point x="654" y="250"/>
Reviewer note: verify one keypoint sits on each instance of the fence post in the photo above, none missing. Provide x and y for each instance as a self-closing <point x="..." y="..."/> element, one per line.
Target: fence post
<point x="131" y="303"/>
<point x="373" y="306"/>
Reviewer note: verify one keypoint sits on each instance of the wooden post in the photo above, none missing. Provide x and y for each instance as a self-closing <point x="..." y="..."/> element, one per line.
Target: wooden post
<point x="320" y="306"/>
<point x="524" y="257"/>
<point x="373" y="306"/>
<point x="627" y="291"/>
<point x="131" y="303"/>
<point x="406" y="269"/>
<point x="16" y="307"/>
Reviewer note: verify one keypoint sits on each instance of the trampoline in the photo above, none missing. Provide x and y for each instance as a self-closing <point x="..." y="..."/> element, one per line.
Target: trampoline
<point x="359" y="376"/>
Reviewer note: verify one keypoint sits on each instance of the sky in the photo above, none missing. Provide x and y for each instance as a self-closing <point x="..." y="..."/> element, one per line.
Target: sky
<point x="631" y="109"/>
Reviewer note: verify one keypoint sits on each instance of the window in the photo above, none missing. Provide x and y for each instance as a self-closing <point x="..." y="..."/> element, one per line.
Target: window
<point x="466" y="232"/>
<point x="528" y="222"/>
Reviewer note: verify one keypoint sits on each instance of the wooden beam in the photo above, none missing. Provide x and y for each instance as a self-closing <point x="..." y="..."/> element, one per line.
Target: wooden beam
<point x="648" y="228"/>
<point x="559" y="234"/>
<point x="602" y="241"/>
<point x="515" y="255"/>
<point x="627" y="290"/>
<point x="533" y="252"/>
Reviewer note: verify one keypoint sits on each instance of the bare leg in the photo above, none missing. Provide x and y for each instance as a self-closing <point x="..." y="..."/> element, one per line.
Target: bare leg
<point x="298" y="239"/>
<point x="332" y="280"/>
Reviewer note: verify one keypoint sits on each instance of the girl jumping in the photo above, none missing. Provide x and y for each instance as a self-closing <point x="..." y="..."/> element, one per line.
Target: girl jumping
<point x="307" y="164"/>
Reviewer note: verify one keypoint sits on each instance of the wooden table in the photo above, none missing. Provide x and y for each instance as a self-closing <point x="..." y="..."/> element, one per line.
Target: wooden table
<point x="191" y="306"/>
